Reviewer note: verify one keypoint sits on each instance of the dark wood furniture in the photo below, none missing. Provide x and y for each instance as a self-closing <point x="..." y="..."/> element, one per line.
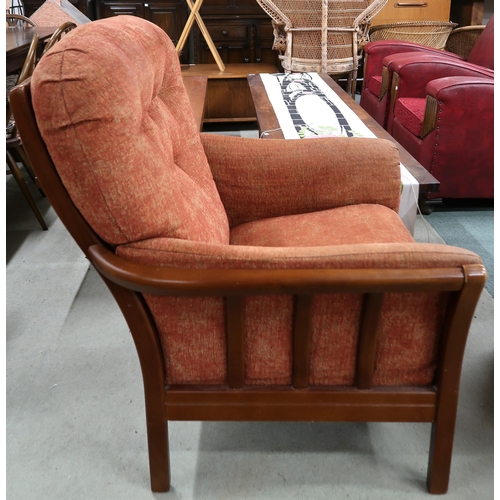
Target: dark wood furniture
<point x="228" y="96"/>
<point x="267" y="120"/>
<point x="18" y="41"/>
<point x="467" y="12"/>
<point x="240" y="29"/>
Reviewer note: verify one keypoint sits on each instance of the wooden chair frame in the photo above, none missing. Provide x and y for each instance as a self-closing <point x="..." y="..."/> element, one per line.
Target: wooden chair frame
<point x="64" y="28"/>
<point x="15" y="20"/>
<point x="127" y="281"/>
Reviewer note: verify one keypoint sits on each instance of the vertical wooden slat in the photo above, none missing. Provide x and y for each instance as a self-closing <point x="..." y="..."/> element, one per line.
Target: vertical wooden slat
<point x="367" y="343"/>
<point x="302" y="341"/>
<point x="235" y="342"/>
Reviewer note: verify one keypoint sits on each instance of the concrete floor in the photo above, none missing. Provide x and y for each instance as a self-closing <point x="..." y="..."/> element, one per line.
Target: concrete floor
<point x="75" y="408"/>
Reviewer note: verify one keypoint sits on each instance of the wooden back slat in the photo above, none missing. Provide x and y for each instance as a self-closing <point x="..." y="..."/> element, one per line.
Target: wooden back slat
<point x="367" y="343"/>
<point x="302" y="340"/>
<point x="235" y="342"/>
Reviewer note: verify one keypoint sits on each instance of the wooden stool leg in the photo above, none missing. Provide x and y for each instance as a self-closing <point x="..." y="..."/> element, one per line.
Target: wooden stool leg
<point x="14" y="169"/>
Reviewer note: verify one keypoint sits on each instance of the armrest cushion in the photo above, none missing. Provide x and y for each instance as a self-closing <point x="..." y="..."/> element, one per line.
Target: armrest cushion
<point x="376" y="51"/>
<point x="172" y="252"/>
<point x="452" y="87"/>
<point x="417" y="71"/>
<point x="466" y="115"/>
<point x="258" y="178"/>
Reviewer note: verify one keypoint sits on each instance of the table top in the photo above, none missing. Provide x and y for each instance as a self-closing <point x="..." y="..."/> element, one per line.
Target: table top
<point x="196" y="87"/>
<point x="267" y="120"/>
<point x="18" y="41"/>
<point x="18" y="38"/>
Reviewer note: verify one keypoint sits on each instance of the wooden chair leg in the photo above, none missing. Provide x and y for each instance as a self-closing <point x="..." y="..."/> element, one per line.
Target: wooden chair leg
<point x="159" y="457"/>
<point x="25" y="161"/>
<point x="352" y="82"/>
<point x="441" y="448"/>
<point x="14" y="169"/>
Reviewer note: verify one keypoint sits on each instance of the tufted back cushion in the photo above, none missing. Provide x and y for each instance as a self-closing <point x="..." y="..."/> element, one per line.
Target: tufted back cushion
<point x="113" y="111"/>
<point x="482" y="53"/>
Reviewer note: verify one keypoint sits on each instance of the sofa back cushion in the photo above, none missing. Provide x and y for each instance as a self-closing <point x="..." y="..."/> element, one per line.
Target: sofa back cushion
<point x="115" y="116"/>
<point x="482" y="52"/>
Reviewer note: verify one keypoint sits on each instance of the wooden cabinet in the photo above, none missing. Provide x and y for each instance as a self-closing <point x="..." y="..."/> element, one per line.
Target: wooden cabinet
<point x="240" y="29"/>
<point x="169" y="15"/>
<point x="420" y="10"/>
<point x="467" y="12"/>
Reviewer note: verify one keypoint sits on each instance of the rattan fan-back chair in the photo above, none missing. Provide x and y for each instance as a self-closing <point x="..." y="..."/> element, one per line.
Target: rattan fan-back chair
<point x="321" y="36"/>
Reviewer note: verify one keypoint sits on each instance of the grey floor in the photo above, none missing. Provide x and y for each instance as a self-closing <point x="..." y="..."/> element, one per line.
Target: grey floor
<point x="75" y="409"/>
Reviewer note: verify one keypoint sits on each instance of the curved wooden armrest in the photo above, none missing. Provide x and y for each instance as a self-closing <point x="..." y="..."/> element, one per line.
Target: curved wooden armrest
<point x="219" y="282"/>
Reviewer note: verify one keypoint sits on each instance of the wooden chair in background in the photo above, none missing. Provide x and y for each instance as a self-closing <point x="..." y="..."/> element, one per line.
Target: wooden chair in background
<point x="56" y="37"/>
<point x="19" y="21"/>
<point x="14" y="148"/>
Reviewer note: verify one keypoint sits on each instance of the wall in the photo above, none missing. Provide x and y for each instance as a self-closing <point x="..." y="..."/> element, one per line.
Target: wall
<point x="488" y="10"/>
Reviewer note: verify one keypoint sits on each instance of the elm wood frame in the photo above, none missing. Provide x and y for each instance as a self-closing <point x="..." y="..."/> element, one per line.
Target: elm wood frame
<point x="127" y="282"/>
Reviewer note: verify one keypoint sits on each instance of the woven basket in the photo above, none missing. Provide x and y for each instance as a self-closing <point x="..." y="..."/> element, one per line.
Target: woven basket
<point x="430" y="33"/>
<point x="461" y="40"/>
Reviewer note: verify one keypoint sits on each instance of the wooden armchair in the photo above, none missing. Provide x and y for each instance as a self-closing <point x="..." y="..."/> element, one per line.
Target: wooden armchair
<point x="261" y="280"/>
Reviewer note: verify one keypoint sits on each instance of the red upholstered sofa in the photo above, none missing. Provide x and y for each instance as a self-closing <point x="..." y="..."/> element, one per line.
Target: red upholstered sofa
<point x="261" y="280"/>
<point x="440" y="108"/>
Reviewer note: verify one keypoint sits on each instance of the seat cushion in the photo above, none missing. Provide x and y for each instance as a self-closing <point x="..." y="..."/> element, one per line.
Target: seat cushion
<point x="375" y="84"/>
<point x="351" y="224"/>
<point x="410" y="112"/>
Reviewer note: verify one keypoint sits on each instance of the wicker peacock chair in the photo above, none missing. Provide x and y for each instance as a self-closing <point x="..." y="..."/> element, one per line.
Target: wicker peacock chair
<point x="321" y="35"/>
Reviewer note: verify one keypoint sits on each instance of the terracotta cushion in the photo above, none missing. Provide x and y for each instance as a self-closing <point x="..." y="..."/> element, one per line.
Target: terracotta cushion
<point x="145" y="174"/>
<point x="410" y="112"/>
<point x="260" y="179"/>
<point x="352" y="224"/>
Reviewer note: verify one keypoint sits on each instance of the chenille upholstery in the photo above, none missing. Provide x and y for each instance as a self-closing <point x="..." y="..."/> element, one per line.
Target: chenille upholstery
<point x="205" y="240"/>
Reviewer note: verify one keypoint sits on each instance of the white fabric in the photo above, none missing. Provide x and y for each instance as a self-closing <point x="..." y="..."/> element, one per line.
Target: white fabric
<point x="318" y="112"/>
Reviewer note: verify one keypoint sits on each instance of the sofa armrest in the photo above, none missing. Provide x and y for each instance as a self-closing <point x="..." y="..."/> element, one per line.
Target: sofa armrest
<point x="164" y="266"/>
<point x="258" y="178"/>
<point x="375" y="52"/>
<point x="414" y="73"/>
<point x="471" y="126"/>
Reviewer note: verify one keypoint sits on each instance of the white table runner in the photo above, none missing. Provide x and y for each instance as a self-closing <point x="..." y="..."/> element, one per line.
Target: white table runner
<point x="306" y="106"/>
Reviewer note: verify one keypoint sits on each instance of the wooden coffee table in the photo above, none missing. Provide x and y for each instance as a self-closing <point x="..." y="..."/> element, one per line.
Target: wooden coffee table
<point x="196" y="88"/>
<point x="267" y="121"/>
